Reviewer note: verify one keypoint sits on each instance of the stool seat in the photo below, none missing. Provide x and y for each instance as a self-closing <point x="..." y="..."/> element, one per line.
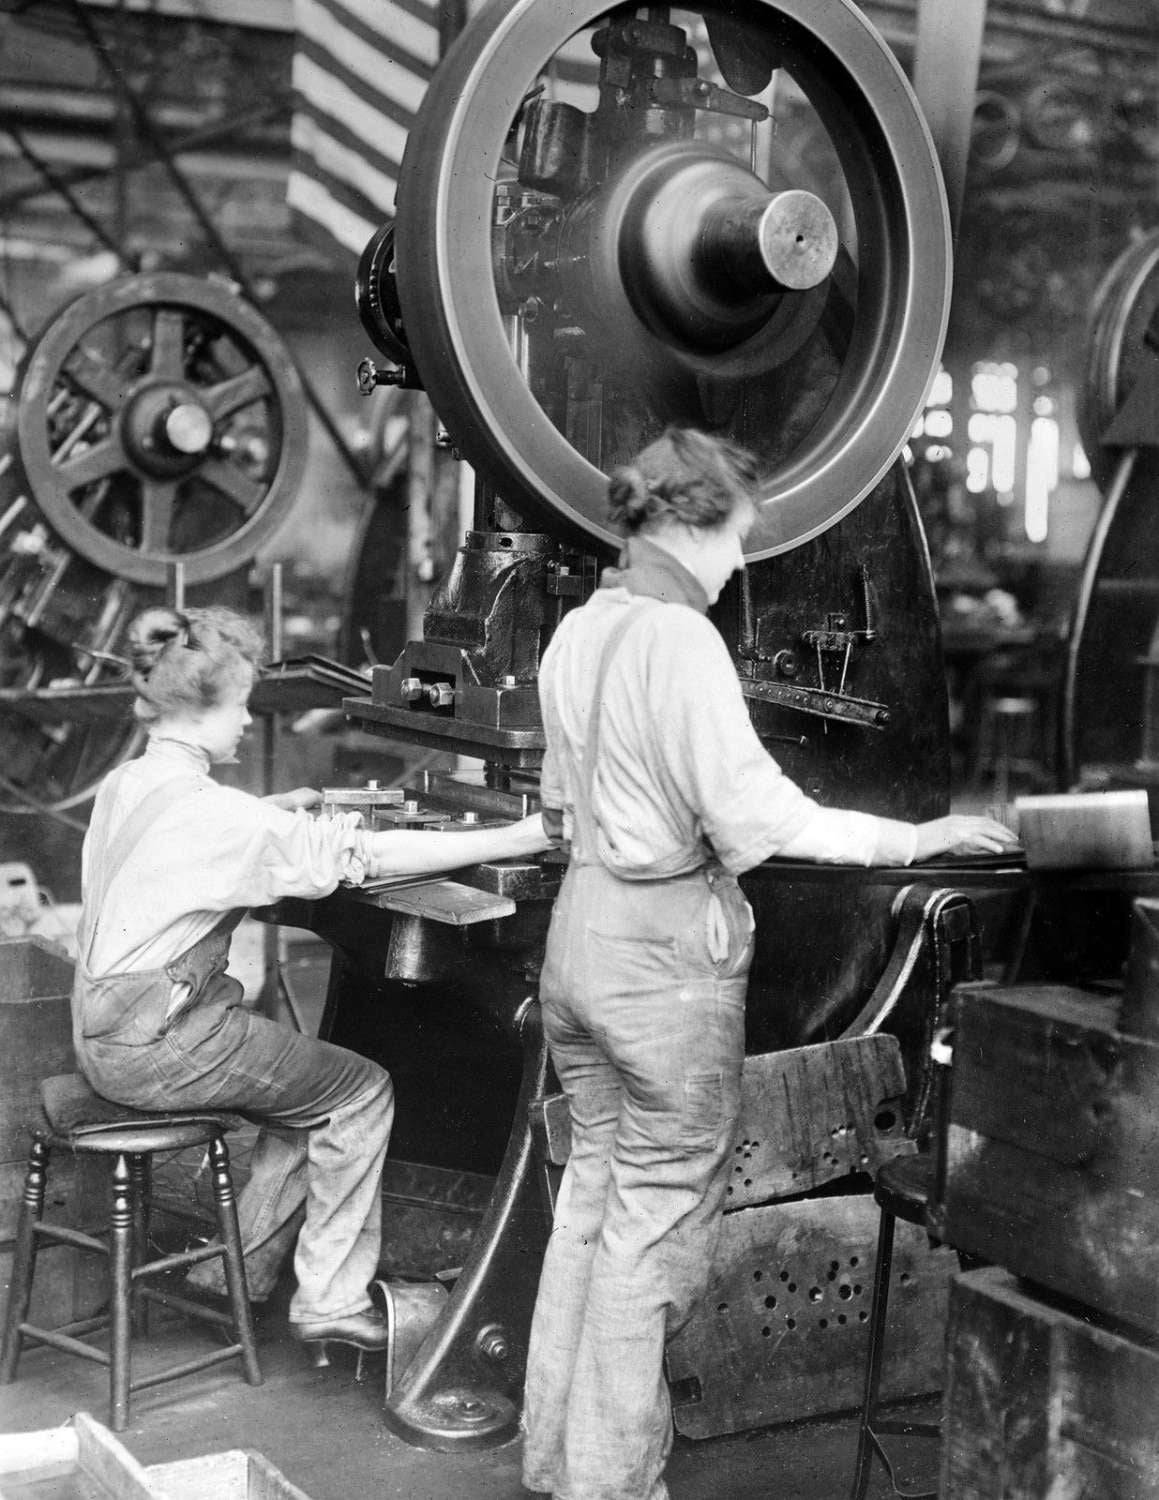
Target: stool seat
<point x="904" y="1187"/>
<point x="79" y="1119"/>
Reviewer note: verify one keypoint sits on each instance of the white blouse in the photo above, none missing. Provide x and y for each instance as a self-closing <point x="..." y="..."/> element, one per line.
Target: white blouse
<point x="214" y="851"/>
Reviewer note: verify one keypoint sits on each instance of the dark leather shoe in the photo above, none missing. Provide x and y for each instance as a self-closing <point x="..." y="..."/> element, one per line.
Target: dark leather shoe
<point x="365" y="1331"/>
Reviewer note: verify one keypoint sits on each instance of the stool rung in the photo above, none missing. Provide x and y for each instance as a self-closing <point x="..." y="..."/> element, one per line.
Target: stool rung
<point x="185" y="1305"/>
<point x="61" y="1234"/>
<point x="176" y="1261"/>
<point x="189" y="1367"/>
<point x="60" y="1340"/>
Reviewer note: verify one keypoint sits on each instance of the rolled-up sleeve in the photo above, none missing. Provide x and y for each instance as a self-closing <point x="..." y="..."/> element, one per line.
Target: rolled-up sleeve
<point x="256" y="853"/>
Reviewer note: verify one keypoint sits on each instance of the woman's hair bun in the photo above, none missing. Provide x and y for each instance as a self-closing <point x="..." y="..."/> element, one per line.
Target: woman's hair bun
<point x="151" y="633"/>
<point x="684" y="476"/>
<point x="629" y="497"/>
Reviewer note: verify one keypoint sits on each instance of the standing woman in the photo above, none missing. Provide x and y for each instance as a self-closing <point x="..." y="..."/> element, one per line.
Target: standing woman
<point x="170" y="862"/>
<point x="656" y="778"/>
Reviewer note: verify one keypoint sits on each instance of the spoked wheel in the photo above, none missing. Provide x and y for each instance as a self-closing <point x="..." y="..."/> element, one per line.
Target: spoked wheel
<point x="161" y="421"/>
<point x="650" y="246"/>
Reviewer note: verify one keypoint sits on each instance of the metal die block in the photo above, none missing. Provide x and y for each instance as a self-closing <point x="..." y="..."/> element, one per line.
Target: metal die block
<point x="783" y="1330"/>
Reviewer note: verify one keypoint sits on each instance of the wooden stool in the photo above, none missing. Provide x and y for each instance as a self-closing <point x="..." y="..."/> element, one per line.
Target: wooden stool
<point x="83" y="1122"/>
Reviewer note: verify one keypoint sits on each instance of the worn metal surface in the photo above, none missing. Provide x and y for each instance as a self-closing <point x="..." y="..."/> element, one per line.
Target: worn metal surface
<point x="782" y="1332"/>
<point x="819" y="467"/>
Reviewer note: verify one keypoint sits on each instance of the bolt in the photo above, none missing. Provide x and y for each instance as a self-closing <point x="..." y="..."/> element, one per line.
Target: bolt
<point x="492" y="1342"/>
<point x="410" y="806"/>
<point x="441" y="694"/>
<point x="469" y="817"/>
<point x="507" y="680"/>
<point x="412" y="689"/>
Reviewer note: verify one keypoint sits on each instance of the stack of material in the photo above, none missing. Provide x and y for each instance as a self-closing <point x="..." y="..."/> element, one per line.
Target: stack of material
<point x="1052" y="1175"/>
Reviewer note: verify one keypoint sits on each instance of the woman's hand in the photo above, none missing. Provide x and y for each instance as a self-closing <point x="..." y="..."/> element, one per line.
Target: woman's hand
<point x="961" y="833"/>
<point x="302" y="796"/>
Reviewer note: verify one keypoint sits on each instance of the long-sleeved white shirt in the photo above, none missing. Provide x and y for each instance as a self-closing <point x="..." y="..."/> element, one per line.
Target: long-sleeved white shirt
<point x="216" y="850"/>
<point x="680" y="765"/>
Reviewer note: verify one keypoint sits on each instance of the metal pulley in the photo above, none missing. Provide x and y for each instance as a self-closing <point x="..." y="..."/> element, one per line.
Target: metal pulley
<point x="1123" y="360"/>
<point x="579" y="263"/>
<point x="160" y="421"/>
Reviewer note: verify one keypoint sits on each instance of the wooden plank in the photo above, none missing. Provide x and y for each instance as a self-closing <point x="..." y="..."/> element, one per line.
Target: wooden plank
<point x="101" y="1458"/>
<point x="1055" y="1226"/>
<point x="1040" y="1403"/>
<point x="1051" y="1162"/>
<point x="811" y="1115"/>
<point x="783" y="1330"/>
<point x="446" y="901"/>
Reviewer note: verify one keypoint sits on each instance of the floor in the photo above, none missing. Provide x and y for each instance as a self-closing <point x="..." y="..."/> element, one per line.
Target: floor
<point x="324" y="1431"/>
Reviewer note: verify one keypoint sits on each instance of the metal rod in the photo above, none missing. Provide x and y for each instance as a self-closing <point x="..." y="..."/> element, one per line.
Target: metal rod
<point x="58" y="185"/>
<point x="226" y="129"/>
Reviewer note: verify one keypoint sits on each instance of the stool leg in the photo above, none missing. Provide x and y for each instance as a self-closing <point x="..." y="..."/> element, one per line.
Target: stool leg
<point x="874" y="1359"/>
<point x="232" y="1254"/>
<point x="140" y="1196"/>
<point x="121" y="1295"/>
<point x="24" y="1258"/>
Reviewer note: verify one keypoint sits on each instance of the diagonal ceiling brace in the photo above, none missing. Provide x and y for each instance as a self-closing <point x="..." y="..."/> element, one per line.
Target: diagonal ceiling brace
<point x="144" y="127"/>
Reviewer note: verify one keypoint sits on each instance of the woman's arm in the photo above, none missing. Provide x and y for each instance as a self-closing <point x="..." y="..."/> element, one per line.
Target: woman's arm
<point x="416" y="852"/>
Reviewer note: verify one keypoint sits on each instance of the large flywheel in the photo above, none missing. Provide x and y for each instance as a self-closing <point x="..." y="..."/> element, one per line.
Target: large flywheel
<point x="155" y="421"/>
<point x="160" y="421"/>
<point x="734" y="221"/>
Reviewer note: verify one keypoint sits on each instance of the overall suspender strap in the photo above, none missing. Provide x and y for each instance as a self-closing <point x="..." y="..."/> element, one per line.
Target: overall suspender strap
<point x="112" y="854"/>
<point x="585" y="821"/>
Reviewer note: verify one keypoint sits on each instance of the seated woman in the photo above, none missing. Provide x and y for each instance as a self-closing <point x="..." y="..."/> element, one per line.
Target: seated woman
<point x="171" y="861"/>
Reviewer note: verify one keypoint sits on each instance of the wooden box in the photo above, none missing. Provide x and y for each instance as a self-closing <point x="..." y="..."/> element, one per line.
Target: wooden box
<point x="1040" y="1405"/>
<point x="84" y="1458"/>
<point x="1052" y="1166"/>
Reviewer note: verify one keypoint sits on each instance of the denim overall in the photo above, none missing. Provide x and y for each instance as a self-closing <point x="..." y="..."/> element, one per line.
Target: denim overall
<point x="643" y="994"/>
<point x="326" y="1113"/>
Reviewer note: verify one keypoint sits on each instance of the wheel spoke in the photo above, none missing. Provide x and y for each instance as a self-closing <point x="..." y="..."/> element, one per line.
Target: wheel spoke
<point x="98" y="462"/>
<point x="246" y="493"/>
<point x="168" y="344"/>
<point x="240" y="390"/>
<point x="158" y="502"/>
<point x="96" y="379"/>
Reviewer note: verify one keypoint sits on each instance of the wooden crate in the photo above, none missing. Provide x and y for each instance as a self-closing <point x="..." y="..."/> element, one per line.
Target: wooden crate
<point x="1052" y="1169"/>
<point x="1040" y="1405"/>
<point x="84" y="1458"/>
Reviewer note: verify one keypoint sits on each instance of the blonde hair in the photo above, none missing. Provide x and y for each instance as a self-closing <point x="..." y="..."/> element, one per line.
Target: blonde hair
<point x="684" y="476"/>
<point x="184" y="661"/>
